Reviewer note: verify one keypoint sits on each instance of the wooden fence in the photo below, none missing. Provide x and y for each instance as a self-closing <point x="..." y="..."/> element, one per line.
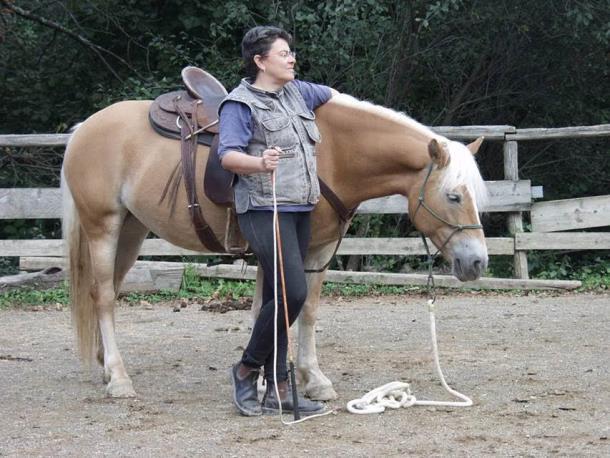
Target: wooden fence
<point x="511" y="195"/>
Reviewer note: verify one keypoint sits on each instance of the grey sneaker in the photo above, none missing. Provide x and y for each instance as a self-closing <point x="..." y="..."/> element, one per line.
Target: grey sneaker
<point x="245" y="395"/>
<point x="271" y="404"/>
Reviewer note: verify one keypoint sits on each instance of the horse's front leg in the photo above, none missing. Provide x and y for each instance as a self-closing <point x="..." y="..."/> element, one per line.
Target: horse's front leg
<point x="315" y="383"/>
<point x="257" y="300"/>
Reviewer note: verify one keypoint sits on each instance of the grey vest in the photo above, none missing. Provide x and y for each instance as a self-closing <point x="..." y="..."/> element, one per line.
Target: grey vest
<point x="279" y="119"/>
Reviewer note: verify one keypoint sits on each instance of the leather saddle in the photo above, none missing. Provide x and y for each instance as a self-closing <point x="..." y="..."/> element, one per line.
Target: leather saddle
<point x="199" y="102"/>
<point x="191" y="116"/>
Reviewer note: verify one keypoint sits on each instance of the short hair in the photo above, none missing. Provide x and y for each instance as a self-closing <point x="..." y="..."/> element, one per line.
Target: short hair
<point x="258" y="40"/>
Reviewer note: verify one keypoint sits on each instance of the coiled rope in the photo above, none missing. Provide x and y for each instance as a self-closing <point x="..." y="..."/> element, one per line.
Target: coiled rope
<point x="395" y="395"/>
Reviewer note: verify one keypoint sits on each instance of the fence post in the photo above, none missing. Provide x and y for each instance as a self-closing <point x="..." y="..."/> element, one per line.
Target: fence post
<point x="515" y="219"/>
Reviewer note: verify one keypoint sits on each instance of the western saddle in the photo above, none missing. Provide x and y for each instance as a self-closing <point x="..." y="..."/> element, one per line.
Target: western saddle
<point x="191" y="116"/>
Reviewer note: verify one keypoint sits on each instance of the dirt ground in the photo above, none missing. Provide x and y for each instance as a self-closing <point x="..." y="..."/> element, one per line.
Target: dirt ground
<point x="536" y="366"/>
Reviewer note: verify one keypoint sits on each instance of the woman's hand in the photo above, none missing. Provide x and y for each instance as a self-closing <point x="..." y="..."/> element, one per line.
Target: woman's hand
<point x="270" y="159"/>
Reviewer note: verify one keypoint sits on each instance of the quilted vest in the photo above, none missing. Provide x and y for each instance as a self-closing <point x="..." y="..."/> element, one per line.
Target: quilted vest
<point x="279" y="119"/>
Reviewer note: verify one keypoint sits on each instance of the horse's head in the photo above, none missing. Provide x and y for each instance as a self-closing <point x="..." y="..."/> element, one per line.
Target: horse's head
<point x="444" y="205"/>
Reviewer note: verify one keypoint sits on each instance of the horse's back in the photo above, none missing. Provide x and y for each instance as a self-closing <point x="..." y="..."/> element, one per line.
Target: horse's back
<point x="116" y="162"/>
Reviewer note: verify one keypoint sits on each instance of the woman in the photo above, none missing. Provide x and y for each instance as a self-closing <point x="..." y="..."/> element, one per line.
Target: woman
<point x="267" y="126"/>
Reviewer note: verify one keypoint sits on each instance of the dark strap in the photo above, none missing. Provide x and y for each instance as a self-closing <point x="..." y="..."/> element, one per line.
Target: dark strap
<point x="345" y="215"/>
<point x="188" y="150"/>
<point x="342" y="211"/>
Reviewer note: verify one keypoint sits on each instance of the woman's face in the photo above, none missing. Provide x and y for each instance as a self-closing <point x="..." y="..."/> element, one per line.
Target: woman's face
<point x="279" y="62"/>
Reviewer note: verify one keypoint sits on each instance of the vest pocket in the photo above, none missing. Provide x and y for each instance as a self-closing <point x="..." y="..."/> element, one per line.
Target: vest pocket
<point x="308" y="119"/>
<point x="279" y="132"/>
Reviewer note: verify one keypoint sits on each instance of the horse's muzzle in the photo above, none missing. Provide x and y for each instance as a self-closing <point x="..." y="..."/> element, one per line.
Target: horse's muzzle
<point x="469" y="260"/>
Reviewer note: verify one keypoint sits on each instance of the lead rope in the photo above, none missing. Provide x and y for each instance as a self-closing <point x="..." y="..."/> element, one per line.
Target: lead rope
<point x="395" y="395"/>
<point x="277" y="247"/>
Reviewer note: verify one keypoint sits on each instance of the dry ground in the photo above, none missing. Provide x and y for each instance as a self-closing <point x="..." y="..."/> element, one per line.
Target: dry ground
<point x="536" y="366"/>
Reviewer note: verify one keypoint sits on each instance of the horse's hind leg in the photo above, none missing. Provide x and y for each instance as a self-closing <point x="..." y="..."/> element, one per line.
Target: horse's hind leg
<point x="103" y="240"/>
<point x="132" y="234"/>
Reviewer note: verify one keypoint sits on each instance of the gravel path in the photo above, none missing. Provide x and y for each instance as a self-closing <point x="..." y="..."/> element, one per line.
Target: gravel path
<point x="536" y="366"/>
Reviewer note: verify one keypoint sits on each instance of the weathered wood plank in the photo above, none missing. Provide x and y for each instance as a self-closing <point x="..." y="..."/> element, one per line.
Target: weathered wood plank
<point x="504" y="196"/>
<point x="454" y="132"/>
<point x="515" y="219"/>
<point x="35" y="203"/>
<point x="49" y="277"/>
<point x="153" y="278"/>
<point x="25" y="203"/>
<point x="407" y="246"/>
<point x="399" y="246"/>
<point x="139" y="278"/>
<point x="35" y="140"/>
<point x="601" y="130"/>
<point x="472" y="132"/>
<point x="41" y="247"/>
<point x="562" y="215"/>
<point x="238" y="272"/>
<point x="35" y="263"/>
<point x="563" y="241"/>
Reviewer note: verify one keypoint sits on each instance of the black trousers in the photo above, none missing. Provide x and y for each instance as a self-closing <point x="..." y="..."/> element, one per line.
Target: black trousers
<point x="295" y="228"/>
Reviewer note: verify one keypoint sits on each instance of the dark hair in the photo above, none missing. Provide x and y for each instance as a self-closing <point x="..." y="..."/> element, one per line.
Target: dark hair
<point x="258" y="40"/>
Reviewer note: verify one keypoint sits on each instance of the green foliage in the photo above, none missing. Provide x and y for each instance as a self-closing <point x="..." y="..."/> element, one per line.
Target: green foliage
<point x="357" y="290"/>
<point x="593" y="269"/>
<point x="26" y="296"/>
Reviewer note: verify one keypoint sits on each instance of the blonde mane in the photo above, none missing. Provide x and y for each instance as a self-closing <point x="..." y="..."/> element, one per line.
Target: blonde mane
<point x="462" y="168"/>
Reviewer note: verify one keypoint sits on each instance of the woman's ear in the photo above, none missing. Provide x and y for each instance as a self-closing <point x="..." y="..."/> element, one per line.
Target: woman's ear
<point x="258" y="60"/>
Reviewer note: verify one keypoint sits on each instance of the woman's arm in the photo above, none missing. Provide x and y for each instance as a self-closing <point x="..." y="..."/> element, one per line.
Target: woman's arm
<point x="244" y="164"/>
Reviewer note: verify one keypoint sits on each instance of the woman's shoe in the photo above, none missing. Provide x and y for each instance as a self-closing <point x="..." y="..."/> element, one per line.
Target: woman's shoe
<point x="271" y="405"/>
<point x="245" y="395"/>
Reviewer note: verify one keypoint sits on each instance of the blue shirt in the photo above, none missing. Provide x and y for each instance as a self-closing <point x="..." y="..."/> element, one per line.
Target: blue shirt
<point x="236" y="125"/>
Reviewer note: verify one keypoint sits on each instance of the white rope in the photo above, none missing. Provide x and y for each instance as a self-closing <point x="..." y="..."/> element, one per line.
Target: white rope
<point x="395" y="395"/>
<point x="275" y="298"/>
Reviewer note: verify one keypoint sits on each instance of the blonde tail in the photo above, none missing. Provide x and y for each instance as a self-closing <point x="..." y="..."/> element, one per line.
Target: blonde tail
<point x="84" y="313"/>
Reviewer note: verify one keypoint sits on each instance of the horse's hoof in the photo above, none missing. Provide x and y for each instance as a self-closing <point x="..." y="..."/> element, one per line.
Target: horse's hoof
<point x="321" y="393"/>
<point x="120" y="389"/>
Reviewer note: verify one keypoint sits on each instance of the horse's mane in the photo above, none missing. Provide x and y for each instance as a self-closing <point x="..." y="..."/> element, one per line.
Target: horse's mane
<point x="462" y="168"/>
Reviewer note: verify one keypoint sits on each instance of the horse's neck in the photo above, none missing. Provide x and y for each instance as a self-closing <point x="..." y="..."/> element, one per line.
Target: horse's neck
<point x="368" y="151"/>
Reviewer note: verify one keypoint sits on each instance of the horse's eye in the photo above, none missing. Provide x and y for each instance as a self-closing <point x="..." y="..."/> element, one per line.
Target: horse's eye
<point x="456" y="198"/>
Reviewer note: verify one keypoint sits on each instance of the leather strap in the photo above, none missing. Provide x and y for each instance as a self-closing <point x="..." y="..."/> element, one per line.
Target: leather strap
<point x="345" y="215"/>
<point x="188" y="150"/>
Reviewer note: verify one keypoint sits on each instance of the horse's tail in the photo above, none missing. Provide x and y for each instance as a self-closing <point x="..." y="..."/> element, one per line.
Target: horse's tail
<point x="84" y="314"/>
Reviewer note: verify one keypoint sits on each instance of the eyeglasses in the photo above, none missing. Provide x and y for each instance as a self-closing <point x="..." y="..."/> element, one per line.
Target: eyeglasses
<point x="284" y="54"/>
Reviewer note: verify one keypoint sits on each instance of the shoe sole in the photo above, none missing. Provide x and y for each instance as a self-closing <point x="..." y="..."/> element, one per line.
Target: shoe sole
<point x="244" y="412"/>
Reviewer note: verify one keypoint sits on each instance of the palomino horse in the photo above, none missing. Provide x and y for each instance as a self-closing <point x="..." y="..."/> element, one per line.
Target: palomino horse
<point x="116" y="166"/>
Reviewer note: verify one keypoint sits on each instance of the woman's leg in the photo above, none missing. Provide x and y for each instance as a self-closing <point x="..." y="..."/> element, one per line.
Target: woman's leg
<point x="257" y="227"/>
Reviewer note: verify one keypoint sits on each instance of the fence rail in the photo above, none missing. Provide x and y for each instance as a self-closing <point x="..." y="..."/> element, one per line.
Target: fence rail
<point x="511" y="195"/>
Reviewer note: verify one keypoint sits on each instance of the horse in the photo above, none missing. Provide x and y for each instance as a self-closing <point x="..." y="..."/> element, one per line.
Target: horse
<point x="116" y="166"/>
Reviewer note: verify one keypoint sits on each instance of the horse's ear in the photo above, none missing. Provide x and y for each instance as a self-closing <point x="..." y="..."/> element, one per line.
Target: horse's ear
<point x="439" y="152"/>
<point x="475" y="145"/>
